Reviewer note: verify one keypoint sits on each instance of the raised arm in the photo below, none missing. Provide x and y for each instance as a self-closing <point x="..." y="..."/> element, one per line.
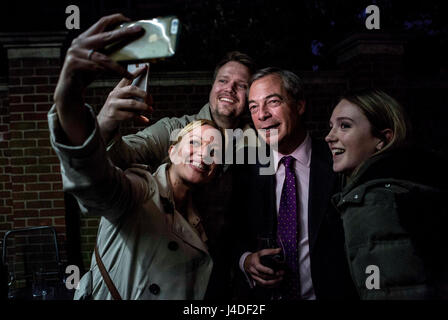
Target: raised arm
<point x="99" y="187"/>
<point x="83" y="62"/>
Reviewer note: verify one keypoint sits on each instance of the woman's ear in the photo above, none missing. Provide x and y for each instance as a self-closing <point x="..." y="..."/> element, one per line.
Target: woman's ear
<point x="171" y="153"/>
<point x="388" y="135"/>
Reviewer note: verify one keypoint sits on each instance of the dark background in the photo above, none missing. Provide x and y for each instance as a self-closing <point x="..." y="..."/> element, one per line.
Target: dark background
<point x="297" y="35"/>
<point x="308" y="37"/>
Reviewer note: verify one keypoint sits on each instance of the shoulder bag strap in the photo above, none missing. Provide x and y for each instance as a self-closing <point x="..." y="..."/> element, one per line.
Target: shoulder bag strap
<point x="109" y="283"/>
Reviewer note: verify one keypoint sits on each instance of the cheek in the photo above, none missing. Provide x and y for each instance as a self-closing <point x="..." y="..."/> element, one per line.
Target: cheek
<point x="361" y="149"/>
<point x="213" y="92"/>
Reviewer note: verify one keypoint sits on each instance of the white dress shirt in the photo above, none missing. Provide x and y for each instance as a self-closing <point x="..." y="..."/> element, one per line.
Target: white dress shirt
<point x="302" y="156"/>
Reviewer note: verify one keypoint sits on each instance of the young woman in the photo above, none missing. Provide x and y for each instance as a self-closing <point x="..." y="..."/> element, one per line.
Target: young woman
<point x="391" y="205"/>
<point x="151" y="243"/>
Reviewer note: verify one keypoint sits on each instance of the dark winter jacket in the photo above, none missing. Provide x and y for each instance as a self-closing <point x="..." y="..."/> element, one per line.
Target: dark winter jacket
<point x="394" y="213"/>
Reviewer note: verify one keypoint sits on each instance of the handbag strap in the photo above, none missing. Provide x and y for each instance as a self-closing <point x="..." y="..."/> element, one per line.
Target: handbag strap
<point x="109" y="283"/>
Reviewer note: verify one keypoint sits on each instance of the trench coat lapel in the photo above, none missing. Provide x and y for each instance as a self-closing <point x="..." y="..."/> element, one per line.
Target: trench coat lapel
<point x="178" y="224"/>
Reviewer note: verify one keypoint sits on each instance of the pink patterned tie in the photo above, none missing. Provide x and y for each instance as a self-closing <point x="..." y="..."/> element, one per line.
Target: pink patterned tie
<point x="287" y="229"/>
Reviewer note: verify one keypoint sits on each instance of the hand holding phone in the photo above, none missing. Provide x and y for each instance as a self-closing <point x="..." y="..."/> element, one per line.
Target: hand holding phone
<point x="126" y="102"/>
<point x="141" y="82"/>
<point x="159" y="41"/>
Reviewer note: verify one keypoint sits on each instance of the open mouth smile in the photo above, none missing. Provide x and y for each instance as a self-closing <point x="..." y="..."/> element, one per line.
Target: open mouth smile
<point x="202" y="167"/>
<point x="337" y="151"/>
<point x="227" y="99"/>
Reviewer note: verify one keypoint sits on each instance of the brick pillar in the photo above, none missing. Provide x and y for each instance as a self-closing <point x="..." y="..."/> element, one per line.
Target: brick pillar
<point x="372" y="60"/>
<point x="5" y="168"/>
<point x="30" y="175"/>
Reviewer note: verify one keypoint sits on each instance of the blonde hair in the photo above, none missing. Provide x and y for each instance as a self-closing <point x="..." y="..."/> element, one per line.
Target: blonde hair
<point x="193" y="125"/>
<point x="383" y="112"/>
<point x="190" y="127"/>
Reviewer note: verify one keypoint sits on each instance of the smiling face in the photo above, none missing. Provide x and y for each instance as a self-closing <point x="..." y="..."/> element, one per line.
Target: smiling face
<point x="195" y="158"/>
<point x="350" y="139"/>
<point x="228" y="94"/>
<point x="275" y="115"/>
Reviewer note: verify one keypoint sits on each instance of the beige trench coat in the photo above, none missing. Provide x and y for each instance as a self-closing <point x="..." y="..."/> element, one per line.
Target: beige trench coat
<point x="148" y="248"/>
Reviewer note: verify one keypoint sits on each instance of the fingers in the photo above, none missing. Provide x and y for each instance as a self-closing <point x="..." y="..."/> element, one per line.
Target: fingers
<point x="100" y="40"/>
<point x="143" y="120"/>
<point x="105" y="23"/>
<point x="123" y="91"/>
<point x="129" y="105"/>
<point x="273" y="282"/>
<point x="109" y="64"/>
<point x="127" y="81"/>
<point x="140" y="70"/>
<point x="265" y="252"/>
<point x="266" y="277"/>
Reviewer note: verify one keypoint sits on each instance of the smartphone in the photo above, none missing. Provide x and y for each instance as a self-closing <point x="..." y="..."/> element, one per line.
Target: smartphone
<point x="159" y="41"/>
<point x="142" y="81"/>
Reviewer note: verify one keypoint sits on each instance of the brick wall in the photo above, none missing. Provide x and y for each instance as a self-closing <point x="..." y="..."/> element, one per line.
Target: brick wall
<point x="5" y="168"/>
<point x="30" y="182"/>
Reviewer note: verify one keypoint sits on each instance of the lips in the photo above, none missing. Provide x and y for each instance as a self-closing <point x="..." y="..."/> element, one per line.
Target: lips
<point x="337" y="151"/>
<point x="273" y="126"/>
<point x="200" y="166"/>
<point x="227" y="99"/>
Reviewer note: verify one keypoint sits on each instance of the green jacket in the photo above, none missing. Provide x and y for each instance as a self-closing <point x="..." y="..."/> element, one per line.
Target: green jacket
<point x="394" y="217"/>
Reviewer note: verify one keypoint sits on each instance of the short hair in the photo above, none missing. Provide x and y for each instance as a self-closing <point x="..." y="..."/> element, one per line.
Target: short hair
<point x="383" y="112"/>
<point x="239" y="57"/>
<point x="291" y="82"/>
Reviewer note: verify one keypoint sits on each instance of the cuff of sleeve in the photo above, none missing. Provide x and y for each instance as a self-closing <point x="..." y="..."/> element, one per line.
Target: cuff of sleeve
<point x="250" y="281"/>
<point x="90" y="145"/>
<point x="114" y="141"/>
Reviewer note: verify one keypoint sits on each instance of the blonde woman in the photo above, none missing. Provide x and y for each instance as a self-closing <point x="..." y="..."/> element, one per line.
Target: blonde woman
<point x="391" y="204"/>
<point x="151" y="243"/>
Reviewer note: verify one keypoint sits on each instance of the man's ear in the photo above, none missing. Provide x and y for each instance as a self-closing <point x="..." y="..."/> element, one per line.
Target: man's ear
<point x="388" y="135"/>
<point x="301" y="107"/>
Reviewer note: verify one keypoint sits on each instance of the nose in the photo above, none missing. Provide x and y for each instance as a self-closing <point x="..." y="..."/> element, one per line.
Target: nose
<point x="331" y="137"/>
<point x="230" y="86"/>
<point x="263" y="113"/>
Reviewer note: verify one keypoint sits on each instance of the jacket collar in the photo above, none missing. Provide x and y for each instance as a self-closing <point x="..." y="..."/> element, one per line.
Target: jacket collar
<point x="205" y="112"/>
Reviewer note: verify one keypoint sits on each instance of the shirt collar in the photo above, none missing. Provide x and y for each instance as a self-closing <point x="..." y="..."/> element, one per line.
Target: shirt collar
<point x="302" y="154"/>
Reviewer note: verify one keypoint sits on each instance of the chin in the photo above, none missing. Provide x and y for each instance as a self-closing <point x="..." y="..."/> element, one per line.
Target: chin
<point x="337" y="169"/>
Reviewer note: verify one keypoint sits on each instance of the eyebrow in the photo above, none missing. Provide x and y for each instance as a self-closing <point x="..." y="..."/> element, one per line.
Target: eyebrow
<point x="276" y="95"/>
<point x="344" y="118"/>
<point x="338" y="119"/>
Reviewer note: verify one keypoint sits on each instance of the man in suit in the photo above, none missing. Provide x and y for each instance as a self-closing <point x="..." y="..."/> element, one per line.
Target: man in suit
<point x="293" y="203"/>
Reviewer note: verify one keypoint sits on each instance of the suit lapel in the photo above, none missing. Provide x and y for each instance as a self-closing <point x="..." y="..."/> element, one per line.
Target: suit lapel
<point x="322" y="181"/>
<point x="265" y="198"/>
